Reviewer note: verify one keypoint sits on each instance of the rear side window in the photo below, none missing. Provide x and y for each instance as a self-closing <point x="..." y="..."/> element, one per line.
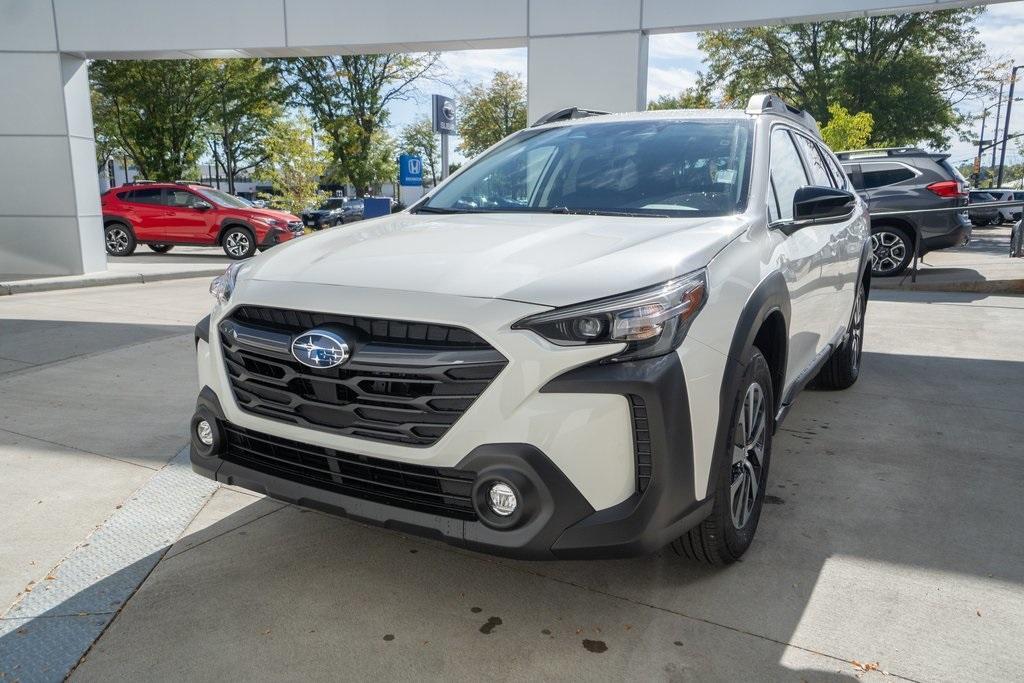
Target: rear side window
<point x="787" y="174"/>
<point x="880" y="175"/>
<point x="146" y="196"/>
<point x="838" y="173"/>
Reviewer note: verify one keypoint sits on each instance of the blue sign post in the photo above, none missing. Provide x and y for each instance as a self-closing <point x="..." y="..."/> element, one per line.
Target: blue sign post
<point x="410" y="171"/>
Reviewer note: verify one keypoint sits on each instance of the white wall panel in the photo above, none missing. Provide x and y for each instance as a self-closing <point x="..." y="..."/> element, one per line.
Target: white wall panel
<point x="35" y="176"/>
<point x="152" y="25"/>
<point x="356" y="22"/>
<point x="39" y="246"/>
<point x="33" y="102"/>
<point x="83" y="171"/>
<point x="26" y="25"/>
<point x="77" y="104"/>
<point x="555" y="17"/>
<point x="606" y="71"/>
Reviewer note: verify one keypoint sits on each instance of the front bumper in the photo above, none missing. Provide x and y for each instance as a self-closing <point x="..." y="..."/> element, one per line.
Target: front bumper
<point x="555" y="519"/>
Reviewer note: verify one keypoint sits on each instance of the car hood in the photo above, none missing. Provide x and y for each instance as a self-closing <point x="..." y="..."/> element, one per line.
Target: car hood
<point x="273" y="213"/>
<point x="545" y="259"/>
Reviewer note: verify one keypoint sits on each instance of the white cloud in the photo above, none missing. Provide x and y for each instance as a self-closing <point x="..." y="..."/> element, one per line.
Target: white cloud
<point x="662" y="81"/>
<point x="673" y="46"/>
<point x="480" y="65"/>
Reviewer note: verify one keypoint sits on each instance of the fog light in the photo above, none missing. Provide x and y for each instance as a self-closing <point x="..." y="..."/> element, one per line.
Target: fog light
<point x="205" y="432"/>
<point x="502" y="499"/>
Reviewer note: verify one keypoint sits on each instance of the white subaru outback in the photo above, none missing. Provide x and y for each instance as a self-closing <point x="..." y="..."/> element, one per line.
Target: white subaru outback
<point x="580" y="345"/>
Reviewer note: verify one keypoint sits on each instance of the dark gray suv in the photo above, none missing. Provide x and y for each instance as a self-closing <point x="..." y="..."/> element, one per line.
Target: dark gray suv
<point x="901" y="179"/>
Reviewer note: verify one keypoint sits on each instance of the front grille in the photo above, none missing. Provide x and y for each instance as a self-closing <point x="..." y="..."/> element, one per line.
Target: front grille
<point x="641" y="442"/>
<point x="435" y="490"/>
<point x="295" y="226"/>
<point x="406" y="382"/>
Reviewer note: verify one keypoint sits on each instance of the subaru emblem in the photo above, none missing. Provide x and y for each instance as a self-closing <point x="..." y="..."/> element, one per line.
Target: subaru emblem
<point x="320" y="349"/>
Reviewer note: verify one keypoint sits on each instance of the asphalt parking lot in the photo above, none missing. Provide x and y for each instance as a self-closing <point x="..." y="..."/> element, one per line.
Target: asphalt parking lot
<point x="892" y="537"/>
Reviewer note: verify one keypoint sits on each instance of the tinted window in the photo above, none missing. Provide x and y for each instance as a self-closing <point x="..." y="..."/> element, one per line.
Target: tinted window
<point x="787" y="173"/>
<point x="182" y="198"/>
<point x="147" y="196"/>
<point x="651" y="167"/>
<point x="819" y="174"/>
<point x="853" y="175"/>
<point x="1018" y="196"/>
<point x="880" y="175"/>
<point x="982" y="197"/>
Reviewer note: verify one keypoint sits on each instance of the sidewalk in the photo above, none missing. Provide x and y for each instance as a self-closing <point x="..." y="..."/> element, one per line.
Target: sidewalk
<point x="143" y="266"/>
<point x="983" y="266"/>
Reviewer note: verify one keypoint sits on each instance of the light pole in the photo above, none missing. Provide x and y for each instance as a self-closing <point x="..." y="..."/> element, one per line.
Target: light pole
<point x="1006" y="127"/>
<point x="999" y="112"/>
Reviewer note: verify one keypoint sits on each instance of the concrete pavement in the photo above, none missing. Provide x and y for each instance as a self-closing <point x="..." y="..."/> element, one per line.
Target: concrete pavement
<point x="890" y="537"/>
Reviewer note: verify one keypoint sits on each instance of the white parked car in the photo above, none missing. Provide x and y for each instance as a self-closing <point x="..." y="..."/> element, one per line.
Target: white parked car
<point x="1007" y="214"/>
<point x="580" y="345"/>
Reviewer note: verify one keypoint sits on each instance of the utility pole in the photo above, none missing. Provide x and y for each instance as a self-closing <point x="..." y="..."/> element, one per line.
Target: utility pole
<point x="1006" y="127"/>
<point x="981" y="142"/>
<point x="999" y="112"/>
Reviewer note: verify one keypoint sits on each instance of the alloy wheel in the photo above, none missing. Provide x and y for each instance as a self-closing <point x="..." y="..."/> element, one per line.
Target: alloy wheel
<point x="888" y="251"/>
<point x="237" y="244"/>
<point x="857" y="328"/>
<point x="117" y="240"/>
<point x="748" y="455"/>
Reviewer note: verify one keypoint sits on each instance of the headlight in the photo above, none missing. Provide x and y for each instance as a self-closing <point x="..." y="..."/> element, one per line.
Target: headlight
<point x="223" y="285"/>
<point x="273" y="222"/>
<point x="651" y="322"/>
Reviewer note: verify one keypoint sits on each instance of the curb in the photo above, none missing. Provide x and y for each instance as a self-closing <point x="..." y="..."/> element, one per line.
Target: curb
<point x="81" y="282"/>
<point x="969" y="286"/>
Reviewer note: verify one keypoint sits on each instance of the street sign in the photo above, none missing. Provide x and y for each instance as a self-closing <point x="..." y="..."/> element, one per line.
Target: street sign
<point x="410" y="170"/>
<point x="444" y="114"/>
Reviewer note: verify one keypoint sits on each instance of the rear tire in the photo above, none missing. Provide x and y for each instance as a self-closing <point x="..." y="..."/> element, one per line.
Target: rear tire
<point x="119" y="239"/>
<point x="238" y="243"/>
<point x="739" y="487"/>
<point x="161" y="248"/>
<point x="842" y="368"/>
<point x="891" y="251"/>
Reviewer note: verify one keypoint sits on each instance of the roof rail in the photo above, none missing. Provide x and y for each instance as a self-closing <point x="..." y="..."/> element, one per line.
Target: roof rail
<point x="189" y="182"/>
<point x="883" y="152"/>
<point x="567" y="114"/>
<point x="765" y="103"/>
<point x="140" y="181"/>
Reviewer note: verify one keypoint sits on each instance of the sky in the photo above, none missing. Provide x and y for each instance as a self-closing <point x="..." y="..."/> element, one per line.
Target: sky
<point x="674" y="60"/>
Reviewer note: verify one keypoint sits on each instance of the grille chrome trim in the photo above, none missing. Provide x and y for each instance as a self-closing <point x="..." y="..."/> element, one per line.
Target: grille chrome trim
<point x="394" y="392"/>
<point x="441" y="491"/>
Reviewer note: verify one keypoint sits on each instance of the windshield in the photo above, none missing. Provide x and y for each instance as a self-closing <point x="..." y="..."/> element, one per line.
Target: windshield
<point x="642" y="168"/>
<point x="335" y="203"/>
<point x="222" y="198"/>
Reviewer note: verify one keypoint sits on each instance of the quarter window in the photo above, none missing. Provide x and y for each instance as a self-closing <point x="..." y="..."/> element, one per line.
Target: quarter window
<point x="882" y="174"/>
<point x="787" y="173"/>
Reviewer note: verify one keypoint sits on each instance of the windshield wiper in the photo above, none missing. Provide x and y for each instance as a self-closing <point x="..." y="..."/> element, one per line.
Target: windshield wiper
<point x="605" y="212"/>
<point x="437" y="209"/>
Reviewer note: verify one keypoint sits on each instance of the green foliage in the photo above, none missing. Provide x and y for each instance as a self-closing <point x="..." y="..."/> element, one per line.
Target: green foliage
<point x="348" y="97"/>
<point x="908" y="71"/>
<point x="696" y="97"/>
<point x="487" y="113"/>
<point x="845" y="130"/>
<point x="155" y="111"/>
<point x="247" y="103"/>
<point x="419" y="138"/>
<point x="293" y="166"/>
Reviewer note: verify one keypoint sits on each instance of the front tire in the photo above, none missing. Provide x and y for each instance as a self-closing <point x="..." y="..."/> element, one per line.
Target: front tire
<point x="891" y="251"/>
<point x="119" y="239"/>
<point x="842" y="368"/>
<point x="740" y="483"/>
<point x="161" y="248"/>
<point x="239" y="243"/>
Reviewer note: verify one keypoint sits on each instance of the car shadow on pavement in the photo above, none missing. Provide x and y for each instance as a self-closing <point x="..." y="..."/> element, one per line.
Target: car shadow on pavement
<point x="888" y="537"/>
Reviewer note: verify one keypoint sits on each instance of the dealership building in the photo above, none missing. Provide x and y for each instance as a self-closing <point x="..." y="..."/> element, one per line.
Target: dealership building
<point x="588" y="53"/>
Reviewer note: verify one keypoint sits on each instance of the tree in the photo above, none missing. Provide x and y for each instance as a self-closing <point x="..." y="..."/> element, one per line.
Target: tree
<point x="845" y="130"/>
<point x="420" y="139"/>
<point x="155" y="111"/>
<point x="247" y="102"/>
<point x="908" y="71"/>
<point x="695" y="97"/>
<point x="490" y="112"/>
<point x="293" y="166"/>
<point x="348" y="97"/>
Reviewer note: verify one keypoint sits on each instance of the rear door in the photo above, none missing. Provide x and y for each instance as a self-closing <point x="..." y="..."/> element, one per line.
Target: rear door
<point x="146" y="208"/>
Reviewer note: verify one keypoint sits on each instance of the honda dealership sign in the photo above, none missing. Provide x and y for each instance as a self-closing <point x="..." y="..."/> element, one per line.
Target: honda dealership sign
<point x="444" y="114"/>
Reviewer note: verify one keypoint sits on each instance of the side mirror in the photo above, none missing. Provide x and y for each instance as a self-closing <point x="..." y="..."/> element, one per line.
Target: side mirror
<point x="814" y="205"/>
<point x="202" y="206"/>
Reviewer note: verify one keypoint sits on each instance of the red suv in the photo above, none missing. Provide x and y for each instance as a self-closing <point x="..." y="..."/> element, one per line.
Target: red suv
<point x="162" y="215"/>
